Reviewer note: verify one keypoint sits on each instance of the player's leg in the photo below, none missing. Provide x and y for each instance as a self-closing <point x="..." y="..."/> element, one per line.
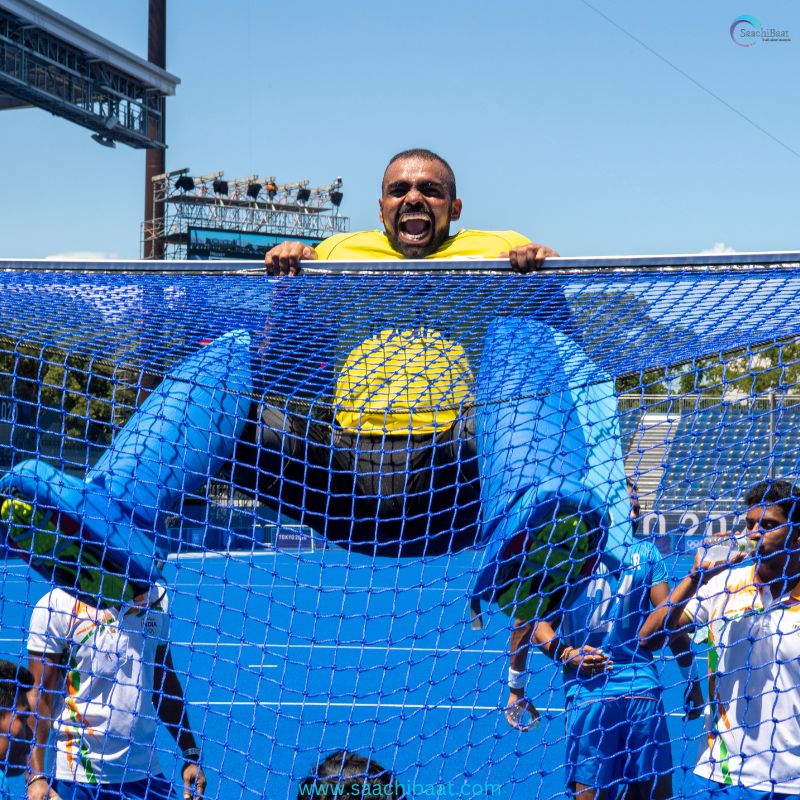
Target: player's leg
<point x="292" y="462"/>
<point x="383" y="494"/>
<point x="593" y="765"/>
<point x="648" y="762"/>
<point x="455" y="481"/>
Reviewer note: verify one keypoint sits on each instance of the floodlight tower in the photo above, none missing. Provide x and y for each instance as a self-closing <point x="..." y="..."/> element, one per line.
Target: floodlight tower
<point x="155" y="160"/>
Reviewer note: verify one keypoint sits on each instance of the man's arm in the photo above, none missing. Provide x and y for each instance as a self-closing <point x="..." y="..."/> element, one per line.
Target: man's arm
<point x="285" y="258"/>
<point x="171" y="709"/>
<point x="586" y="661"/>
<point x="681" y="646"/>
<point x="517" y="703"/>
<point x="48" y="682"/>
<point x="668" y="616"/>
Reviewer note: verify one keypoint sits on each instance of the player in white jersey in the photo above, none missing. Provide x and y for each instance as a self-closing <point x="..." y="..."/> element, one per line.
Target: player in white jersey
<point x="751" y="612"/>
<point x="106" y="678"/>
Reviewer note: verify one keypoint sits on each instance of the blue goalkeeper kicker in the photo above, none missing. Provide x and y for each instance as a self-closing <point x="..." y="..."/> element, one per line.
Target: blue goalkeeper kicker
<point x="552" y="473"/>
<point x="114" y="519"/>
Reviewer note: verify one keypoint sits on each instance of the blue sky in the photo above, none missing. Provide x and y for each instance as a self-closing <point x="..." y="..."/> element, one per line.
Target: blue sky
<point x="558" y="123"/>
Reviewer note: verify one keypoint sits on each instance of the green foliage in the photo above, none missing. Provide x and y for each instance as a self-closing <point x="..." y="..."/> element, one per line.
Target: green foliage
<point x="91" y="396"/>
<point x="652" y="381"/>
<point x="20" y="367"/>
<point x="745" y="373"/>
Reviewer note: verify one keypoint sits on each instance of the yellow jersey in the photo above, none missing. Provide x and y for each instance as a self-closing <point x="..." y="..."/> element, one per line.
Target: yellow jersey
<point x="407" y="381"/>
<point x="374" y="246"/>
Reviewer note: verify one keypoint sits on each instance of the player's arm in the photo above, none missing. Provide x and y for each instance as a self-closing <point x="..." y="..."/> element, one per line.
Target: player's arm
<point x="285" y="258"/>
<point x="681" y="646"/>
<point x="518" y="704"/>
<point x="585" y="660"/>
<point x="48" y="683"/>
<point x="670" y="616"/>
<point x="170" y="706"/>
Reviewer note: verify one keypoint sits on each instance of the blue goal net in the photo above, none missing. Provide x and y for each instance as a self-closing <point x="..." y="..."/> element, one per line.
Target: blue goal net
<point x="410" y="526"/>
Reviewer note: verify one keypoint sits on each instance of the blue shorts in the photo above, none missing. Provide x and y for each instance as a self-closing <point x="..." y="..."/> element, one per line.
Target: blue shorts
<point x="618" y="740"/>
<point x="705" y="789"/>
<point x="155" y="788"/>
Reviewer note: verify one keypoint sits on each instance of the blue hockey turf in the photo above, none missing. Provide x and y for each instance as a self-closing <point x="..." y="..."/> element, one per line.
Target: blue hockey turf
<point x="286" y="657"/>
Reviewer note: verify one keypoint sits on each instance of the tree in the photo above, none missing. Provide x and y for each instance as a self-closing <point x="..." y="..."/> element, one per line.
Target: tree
<point x="92" y="396"/>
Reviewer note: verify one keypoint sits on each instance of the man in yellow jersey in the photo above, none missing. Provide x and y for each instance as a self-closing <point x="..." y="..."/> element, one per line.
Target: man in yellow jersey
<point x="417" y="205"/>
<point x="397" y="472"/>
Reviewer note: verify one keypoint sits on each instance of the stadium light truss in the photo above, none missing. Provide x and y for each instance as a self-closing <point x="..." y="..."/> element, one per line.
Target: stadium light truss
<point x="249" y="204"/>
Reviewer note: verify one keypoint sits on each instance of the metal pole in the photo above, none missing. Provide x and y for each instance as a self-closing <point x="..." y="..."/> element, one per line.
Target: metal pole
<point x="772" y="428"/>
<point x="155" y="159"/>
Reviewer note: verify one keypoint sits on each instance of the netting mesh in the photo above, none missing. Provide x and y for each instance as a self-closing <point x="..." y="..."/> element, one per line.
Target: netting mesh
<point x="313" y="508"/>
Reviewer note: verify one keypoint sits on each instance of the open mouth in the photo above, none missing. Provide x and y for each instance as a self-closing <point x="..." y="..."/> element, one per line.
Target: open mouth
<point x="414" y="226"/>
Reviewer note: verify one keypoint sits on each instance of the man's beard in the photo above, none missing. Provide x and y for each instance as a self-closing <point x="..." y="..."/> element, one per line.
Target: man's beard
<point x="410" y="249"/>
<point x="413" y="250"/>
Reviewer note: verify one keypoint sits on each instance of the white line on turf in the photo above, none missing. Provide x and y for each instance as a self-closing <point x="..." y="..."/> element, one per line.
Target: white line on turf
<point x="212" y="554"/>
<point x="327" y="589"/>
<point x="376" y="706"/>
<point x="379" y="648"/>
<point x="300" y="704"/>
<point x="187" y="588"/>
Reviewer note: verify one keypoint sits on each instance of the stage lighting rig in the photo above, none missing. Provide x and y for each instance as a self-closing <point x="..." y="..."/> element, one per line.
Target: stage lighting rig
<point x="331" y="192"/>
<point x="247" y="205"/>
<point x="185" y="183"/>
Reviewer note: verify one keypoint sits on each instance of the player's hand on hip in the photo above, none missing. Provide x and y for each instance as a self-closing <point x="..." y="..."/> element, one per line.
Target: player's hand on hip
<point x="285" y="258"/>
<point x="528" y="257"/>
<point x="194" y="781"/>
<point x="520" y="713"/>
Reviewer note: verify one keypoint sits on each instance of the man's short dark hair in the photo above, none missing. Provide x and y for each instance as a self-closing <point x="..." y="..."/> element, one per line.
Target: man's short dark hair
<point x="342" y="774"/>
<point x="428" y="155"/>
<point x="14" y="680"/>
<point x="776" y="492"/>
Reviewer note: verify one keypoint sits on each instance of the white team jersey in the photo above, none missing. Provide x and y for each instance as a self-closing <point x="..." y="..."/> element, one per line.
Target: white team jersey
<point x="106" y="727"/>
<point x="753" y="717"/>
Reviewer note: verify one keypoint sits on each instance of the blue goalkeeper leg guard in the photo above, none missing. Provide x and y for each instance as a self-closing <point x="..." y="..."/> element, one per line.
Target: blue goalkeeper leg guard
<point x="101" y="537"/>
<point x="553" y="484"/>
